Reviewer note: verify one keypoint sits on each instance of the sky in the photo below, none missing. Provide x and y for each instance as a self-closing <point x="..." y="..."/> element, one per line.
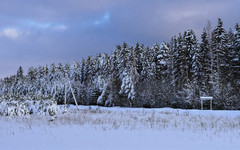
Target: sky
<point x="40" y="32"/>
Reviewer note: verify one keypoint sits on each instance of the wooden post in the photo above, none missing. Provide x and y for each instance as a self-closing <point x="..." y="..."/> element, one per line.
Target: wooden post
<point x="73" y="94"/>
<point x="211" y="104"/>
<point x="72" y="91"/>
<point x="65" y="97"/>
<point x="201" y="104"/>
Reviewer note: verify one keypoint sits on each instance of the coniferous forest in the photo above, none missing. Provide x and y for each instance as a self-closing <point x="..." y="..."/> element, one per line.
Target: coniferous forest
<point x="173" y="74"/>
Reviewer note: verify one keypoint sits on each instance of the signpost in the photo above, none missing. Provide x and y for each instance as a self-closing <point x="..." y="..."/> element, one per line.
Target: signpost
<point x="203" y="98"/>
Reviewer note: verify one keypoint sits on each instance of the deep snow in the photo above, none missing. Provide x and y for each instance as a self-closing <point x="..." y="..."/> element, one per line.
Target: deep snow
<point x="98" y="128"/>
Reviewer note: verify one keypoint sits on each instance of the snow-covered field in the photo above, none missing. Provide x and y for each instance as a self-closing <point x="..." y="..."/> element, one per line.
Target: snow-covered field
<point x="99" y="128"/>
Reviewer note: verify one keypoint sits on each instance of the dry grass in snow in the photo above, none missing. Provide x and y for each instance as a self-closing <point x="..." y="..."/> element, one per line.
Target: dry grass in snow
<point x="207" y="122"/>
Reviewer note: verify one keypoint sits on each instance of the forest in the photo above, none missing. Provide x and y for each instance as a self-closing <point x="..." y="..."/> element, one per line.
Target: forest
<point x="171" y="74"/>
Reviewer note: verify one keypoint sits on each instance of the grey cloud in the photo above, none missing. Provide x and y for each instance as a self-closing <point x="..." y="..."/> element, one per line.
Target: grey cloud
<point x="46" y="31"/>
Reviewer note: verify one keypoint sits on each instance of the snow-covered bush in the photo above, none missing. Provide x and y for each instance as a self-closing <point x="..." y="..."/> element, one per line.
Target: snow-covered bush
<point x="27" y="107"/>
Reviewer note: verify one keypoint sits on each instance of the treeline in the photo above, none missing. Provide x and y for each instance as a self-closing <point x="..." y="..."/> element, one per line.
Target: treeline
<point x="173" y="74"/>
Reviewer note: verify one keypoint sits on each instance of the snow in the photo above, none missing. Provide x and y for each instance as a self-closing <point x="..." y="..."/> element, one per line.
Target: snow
<point x="206" y="98"/>
<point x="27" y="107"/>
<point x="118" y="128"/>
<point x="236" y="59"/>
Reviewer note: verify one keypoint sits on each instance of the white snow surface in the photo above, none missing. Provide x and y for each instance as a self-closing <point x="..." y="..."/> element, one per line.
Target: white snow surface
<point x="100" y="128"/>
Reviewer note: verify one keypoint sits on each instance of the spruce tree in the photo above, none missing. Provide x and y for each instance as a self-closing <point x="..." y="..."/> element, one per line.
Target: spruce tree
<point x="219" y="51"/>
<point x="138" y="54"/>
<point x="20" y="73"/>
<point x="205" y="64"/>
<point x="181" y="63"/>
<point x="162" y="61"/>
<point x="235" y="61"/>
<point x="173" y="69"/>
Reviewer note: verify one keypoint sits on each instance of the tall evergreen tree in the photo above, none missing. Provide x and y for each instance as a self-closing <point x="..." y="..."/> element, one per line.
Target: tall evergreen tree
<point x="219" y="43"/>
<point x="20" y="75"/>
<point x="235" y="59"/>
<point x="162" y="61"/>
<point x="138" y="54"/>
<point x="205" y="64"/>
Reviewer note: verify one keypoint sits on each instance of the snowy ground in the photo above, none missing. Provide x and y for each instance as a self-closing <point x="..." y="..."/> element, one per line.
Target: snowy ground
<point x="98" y="128"/>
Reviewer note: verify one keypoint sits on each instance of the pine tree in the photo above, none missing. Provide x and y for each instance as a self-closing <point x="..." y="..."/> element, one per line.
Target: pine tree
<point x="229" y="56"/>
<point x="173" y="58"/>
<point x="138" y="54"/>
<point x="124" y="56"/>
<point x="46" y="70"/>
<point x="235" y="59"/>
<point x="196" y="73"/>
<point x="30" y="81"/>
<point x="190" y="50"/>
<point x="162" y="63"/>
<point x="134" y="75"/>
<point x="52" y="72"/>
<point x="20" y="75"/>
<point x="155" y="65"/>
<point x="219" y="54"/>
<point x="146" y="60"/>
<point x="19" y="80"/>
<point x="191" y="67"/>
<point x="181" y="65"/>
<point x="83" y="71"/>
<point x="205" y="64"/>
<point x="115" y="81"/>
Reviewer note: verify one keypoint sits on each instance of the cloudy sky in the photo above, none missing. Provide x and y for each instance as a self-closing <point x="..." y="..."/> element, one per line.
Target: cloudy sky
<point x="39" y="32"/>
